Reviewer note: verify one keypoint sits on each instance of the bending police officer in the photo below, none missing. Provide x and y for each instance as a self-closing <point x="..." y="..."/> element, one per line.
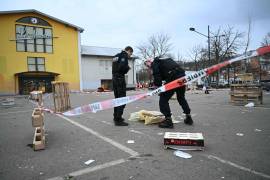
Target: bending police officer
<point x="119" y="69"/>
<point x="166" y="69"/>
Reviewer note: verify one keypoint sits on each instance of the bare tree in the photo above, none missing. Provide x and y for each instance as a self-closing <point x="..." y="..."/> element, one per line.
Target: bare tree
<point x="180" y="59"/>
<point x="157" y="45"/>
<point x="225" y="44"/>
<point x="204" y="61"/>
<point x="266" y="40"/>
<point x="195" y="55"/>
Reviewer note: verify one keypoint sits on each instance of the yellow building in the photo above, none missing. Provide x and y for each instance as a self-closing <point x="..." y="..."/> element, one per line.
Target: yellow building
<point x="35" y="49"/>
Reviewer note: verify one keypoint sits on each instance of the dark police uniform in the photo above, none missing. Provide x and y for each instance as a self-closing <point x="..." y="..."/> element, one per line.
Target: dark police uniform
<point x="166" y="69"/>
<point x="119" y="69"/>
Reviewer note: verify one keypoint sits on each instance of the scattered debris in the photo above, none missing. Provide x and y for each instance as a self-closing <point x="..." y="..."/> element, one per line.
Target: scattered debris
<point x="239" y="134"/>
<point x="134" y="116"/>
<point x="249" y="105"/>
<point x="89" y="162"/>
<point x="134" y="131"/>
<point x="182" y="154"/>
<point x="257" y="130"/>
<point x="149" y="117"/>
<point x="130" y="141"/>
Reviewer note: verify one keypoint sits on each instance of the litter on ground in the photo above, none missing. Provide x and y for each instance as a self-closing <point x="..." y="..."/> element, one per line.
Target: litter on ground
<point x="251" y="104"/>
<point x="239" y="134"/>
<point x="149" y="117"/>
<point x="182" y="154"/>
<point x="130" y="141"/>
<point x="89" y="162"/>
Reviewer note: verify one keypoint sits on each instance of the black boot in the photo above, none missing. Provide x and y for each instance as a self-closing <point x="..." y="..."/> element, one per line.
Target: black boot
<point x="119" y="122"/>
<point x="167" y="123"/>
<point x="188" y="119"/>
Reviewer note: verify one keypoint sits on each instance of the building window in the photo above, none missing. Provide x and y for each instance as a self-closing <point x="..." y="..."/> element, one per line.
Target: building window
<point x="36" y="64"/>
<point x="34" y="39"/>
<point x="33" y="21"/>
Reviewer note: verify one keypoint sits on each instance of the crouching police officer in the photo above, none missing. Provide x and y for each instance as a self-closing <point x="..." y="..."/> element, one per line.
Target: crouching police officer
<point x="119" y="69"/>
<point x="166" y="69"/>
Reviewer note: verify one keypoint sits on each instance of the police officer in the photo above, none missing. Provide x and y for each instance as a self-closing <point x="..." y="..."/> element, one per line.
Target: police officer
<point x="119" y="69"/>
<point x="166" y="69"/>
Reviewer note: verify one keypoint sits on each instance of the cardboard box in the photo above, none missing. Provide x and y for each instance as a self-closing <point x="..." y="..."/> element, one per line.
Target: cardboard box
<point x="183" y="141"/>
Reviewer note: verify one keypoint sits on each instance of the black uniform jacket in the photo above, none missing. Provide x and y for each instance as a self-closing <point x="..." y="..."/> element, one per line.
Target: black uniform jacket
<point x="166" y="69"/>
<point x="120" y="64"/>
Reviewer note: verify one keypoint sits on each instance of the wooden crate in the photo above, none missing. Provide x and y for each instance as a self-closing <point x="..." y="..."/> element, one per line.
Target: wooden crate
<point x="61" y="96"/>
<point x="244" y="93"/>
<point x="246" y="77"/>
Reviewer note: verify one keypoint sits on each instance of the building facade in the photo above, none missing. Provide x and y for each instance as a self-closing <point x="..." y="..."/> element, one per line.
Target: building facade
<point x="97" y="68"/>
<point x="35" y="49"/>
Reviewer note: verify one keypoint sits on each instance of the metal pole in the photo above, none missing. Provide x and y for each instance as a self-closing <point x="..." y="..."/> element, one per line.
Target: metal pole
<point x="209" y="58"/>
<point x="260" y="71"/>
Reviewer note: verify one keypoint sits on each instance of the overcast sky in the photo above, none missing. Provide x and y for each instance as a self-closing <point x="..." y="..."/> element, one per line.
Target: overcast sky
<point x="117" y="23"/>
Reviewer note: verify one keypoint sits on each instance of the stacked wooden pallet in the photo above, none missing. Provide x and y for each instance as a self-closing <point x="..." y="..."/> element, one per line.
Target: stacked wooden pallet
<point x="61" y="96"/>
<point x="244" y="93"/>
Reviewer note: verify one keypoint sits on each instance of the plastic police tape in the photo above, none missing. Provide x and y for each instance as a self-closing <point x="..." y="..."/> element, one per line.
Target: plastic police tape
<point x="107" y="104"/>
<point x="111" y="103"/>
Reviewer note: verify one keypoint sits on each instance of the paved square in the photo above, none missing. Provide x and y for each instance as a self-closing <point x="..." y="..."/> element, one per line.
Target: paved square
<point x="71" y="141"/>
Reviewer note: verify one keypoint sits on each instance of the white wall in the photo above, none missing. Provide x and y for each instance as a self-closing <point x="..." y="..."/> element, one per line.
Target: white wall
<point x="96" y="68"/>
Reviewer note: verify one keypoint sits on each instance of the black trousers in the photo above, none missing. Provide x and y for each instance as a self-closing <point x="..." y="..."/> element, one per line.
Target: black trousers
<point x="119" y="89"/>
<point x="166" y="96"/>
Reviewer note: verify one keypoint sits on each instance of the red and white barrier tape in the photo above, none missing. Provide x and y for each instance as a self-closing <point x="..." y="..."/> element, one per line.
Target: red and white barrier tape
<point x="111" y="103"/>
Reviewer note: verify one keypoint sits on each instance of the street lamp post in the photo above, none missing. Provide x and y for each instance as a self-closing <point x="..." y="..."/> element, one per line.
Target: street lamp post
<point x="207" y="36"/>
<point x="209" y="44"/>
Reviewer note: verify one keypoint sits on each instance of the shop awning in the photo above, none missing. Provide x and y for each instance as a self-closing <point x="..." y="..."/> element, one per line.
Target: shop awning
<point x="36" y="73"/>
